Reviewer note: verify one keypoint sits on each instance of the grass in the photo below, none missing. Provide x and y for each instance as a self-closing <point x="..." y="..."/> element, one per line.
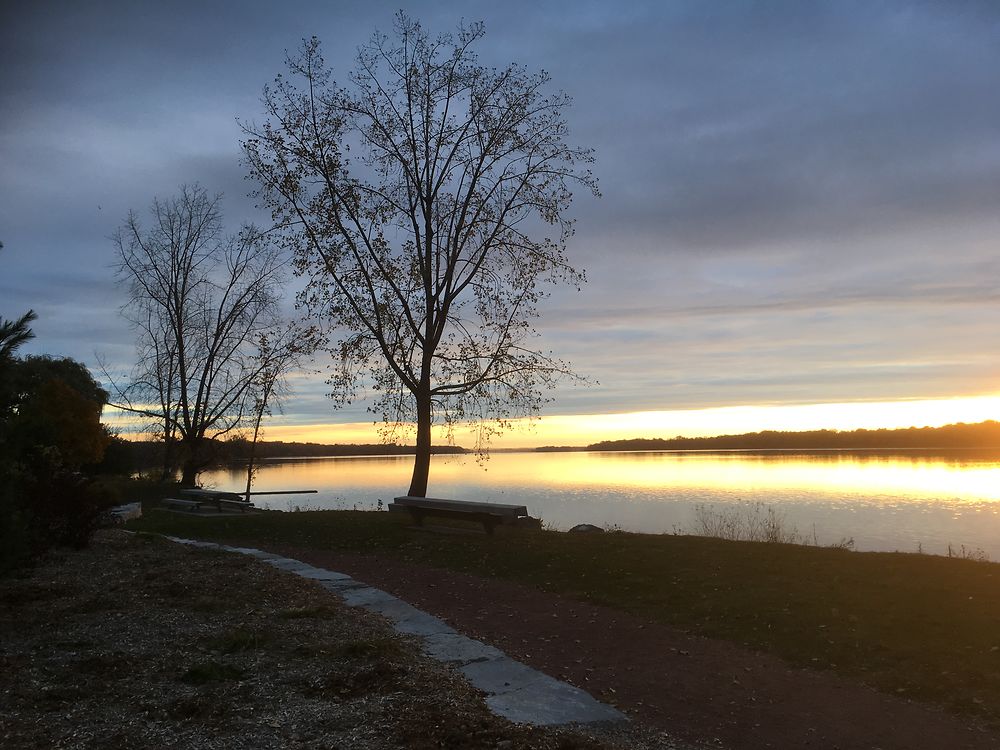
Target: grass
<point x="915" y="625"/>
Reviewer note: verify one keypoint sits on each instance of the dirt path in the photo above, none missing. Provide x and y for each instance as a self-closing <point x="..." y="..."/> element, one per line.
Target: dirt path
<point x="695" y="688"/>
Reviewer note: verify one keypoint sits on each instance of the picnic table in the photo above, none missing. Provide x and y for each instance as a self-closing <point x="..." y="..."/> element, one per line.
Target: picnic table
<point x="195" y="498"/>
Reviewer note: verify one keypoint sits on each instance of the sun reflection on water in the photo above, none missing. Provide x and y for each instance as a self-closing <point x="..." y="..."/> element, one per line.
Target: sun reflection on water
<point x="885" y="500"/>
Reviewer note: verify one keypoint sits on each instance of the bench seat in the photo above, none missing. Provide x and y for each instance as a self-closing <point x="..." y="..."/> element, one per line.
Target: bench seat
<point x="176" y="502"/>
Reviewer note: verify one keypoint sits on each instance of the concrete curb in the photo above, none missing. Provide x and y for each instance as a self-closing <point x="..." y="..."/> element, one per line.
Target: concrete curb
<point x="513" y="690"/>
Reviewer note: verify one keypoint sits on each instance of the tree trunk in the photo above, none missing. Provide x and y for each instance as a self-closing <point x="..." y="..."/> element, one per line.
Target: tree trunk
<point x="167" y="475"/>
<point x="192" y="461"/>
<point x="422" y="459"/>
<point x="189" y="475"/>
<point x="253" y="451"/>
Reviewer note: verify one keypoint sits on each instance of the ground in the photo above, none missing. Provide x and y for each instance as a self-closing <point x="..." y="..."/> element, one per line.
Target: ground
<point x="138" y="642"/>
<point x="700" y="689"/>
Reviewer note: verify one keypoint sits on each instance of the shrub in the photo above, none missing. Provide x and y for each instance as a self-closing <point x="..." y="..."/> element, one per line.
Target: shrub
<point x="64" y="508"/>
<point x="47" y="506"/>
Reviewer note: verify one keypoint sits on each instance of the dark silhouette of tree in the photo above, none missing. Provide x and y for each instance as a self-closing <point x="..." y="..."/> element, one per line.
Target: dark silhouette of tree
<point x="426" y="258"/>
<point x="200" y="302"/>
<point x="51" y="437"/>
<point x="50" y="429"/>
<point x="57" y="409"/>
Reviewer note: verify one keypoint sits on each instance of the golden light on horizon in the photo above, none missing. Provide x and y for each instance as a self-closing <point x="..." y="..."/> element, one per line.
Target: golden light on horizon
<point x="584" y="429"/>
<point x="734" y="475"/>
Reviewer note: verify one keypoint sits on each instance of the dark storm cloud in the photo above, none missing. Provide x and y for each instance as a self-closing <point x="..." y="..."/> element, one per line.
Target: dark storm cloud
<point x="800" y="199"/>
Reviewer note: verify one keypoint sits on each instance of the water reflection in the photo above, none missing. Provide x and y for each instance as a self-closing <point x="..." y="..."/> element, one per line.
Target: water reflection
<point x="886" y="501"/>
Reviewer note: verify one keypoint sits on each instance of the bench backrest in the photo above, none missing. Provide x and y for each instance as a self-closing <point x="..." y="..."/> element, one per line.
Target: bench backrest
<point x="212" y="495"/>
<point x="499" y="509"/>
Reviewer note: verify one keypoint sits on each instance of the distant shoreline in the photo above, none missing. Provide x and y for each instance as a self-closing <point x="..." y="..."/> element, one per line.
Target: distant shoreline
<point x="932" y="450"/>
<point x="982" y="435"/>
<point x="961" y="436"/>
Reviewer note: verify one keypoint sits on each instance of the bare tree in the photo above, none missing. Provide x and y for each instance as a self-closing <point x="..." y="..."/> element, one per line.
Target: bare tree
<point x="426" y="261"/>
<point x="201" y="303"/>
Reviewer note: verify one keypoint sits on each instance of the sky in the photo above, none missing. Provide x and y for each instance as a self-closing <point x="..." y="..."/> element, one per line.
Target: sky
<point x="799" y="225"/>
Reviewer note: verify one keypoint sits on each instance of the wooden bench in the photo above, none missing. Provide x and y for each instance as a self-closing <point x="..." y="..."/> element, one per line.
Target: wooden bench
<point x="489" y="515"/>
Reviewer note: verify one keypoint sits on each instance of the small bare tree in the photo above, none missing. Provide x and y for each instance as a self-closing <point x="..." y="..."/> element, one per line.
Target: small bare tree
<point x="426" y="261"/>
<point x="278" y="356"/>
<point x="201" y="304"/>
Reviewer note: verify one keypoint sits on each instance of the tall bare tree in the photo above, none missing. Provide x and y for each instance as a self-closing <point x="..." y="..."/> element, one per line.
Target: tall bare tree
<point x="201" y="303"/>
<point x="426" y="260"/>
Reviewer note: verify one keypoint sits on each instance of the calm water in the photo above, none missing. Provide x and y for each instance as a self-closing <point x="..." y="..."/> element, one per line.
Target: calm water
<point x="884" y="501"/>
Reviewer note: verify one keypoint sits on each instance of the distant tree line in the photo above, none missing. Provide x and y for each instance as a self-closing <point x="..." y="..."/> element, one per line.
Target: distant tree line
<point x="149" y="453"/>
<point x="981" y="435"/>
<point x="239" y="449"/>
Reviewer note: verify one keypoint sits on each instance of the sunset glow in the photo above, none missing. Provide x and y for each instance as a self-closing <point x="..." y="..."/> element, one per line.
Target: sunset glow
<point x="584" y="429"/>
<point x="730" y="290"/>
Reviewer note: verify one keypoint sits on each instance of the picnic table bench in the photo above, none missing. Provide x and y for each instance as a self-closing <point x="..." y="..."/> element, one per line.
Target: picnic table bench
<point x="194" y="499"/>
<point x="489" y="515"/>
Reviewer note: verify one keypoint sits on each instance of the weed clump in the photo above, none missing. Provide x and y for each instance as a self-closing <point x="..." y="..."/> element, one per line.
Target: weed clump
<point x="975" y="554"/>
<point x="745" y="522"/>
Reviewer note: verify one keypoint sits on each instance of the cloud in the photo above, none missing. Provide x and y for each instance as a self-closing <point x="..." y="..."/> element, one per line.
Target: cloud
<point x="799" y="198"/>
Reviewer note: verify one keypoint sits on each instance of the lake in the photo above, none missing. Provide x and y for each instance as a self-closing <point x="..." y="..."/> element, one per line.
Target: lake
<point x="888" y="501"/>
